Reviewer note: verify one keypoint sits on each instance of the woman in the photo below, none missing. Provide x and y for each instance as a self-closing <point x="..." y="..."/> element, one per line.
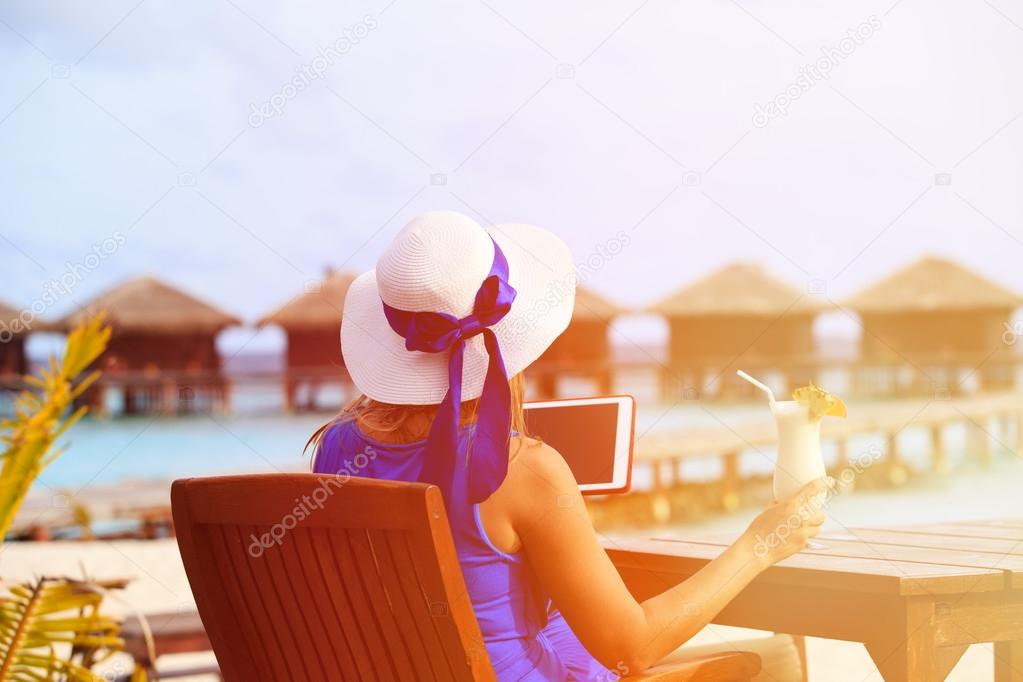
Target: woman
<point x="436" y="339"/>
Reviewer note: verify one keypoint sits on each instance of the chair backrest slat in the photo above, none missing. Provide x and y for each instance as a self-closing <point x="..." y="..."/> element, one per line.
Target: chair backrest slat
<point x="311" y="590"/>
<point x="351" y="628"/>
<point x="332" y="620"/>
<point x="284" y="614"/>
<point x="250" y="617"/>
<point x="371" y="608"/>
<point x="404" y="608"/>
<point x="307" y="576"/>
<point x="424" y="609"/>
<point x="285" y="571"/>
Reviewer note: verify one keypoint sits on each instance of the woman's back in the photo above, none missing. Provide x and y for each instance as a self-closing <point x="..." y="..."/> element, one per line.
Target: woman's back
<point x="514" y="614"/>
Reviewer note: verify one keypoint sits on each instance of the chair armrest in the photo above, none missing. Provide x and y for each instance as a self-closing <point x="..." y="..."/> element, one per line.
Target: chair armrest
<point x="732" y="666"/>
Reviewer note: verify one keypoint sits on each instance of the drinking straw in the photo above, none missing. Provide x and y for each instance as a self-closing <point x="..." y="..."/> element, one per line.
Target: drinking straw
<point x="758" y="384"/>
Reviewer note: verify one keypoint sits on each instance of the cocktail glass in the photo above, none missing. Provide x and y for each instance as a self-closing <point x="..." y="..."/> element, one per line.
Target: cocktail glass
<point x="799" y="451"/>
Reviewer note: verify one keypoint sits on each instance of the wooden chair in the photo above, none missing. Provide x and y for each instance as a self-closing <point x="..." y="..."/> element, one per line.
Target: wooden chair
<point x="314" y="577"/>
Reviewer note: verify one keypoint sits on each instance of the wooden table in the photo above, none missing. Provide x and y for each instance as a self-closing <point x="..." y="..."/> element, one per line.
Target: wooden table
<point x="915" y="596"/>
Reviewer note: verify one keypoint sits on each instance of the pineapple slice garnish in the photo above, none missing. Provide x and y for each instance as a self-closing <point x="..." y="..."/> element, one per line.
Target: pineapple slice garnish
<point x="820" y="403"/>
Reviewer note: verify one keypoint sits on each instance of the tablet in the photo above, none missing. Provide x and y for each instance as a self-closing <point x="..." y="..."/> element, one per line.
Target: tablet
<point x="594" y="435"/>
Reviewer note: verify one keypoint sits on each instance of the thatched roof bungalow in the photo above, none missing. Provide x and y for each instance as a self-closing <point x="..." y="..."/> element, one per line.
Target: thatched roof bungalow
<point x="936" y="313"/>
<point x="162" y="338"/>
<point x="311" y="322"/>
<point x="737" y="316"/>
<point x="739" y="309"/>
<point x="583" y="349"/>
<point x="13" y="362"/>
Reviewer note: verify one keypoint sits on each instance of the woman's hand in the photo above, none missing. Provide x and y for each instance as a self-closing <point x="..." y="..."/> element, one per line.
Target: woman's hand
<point x="785" y="528"/>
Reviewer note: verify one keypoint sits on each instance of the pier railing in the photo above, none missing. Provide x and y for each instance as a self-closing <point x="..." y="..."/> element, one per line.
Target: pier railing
<point x="713" y="379"/>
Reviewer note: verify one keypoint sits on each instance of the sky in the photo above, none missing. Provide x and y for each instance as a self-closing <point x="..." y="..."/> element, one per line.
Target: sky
<point x="238" y="148"/>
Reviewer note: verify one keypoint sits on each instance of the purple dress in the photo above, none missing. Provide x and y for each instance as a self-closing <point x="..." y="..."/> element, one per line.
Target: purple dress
<point x="526" y="638"/>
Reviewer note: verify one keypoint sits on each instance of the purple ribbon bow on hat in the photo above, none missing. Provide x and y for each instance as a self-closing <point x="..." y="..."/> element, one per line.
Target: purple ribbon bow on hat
<point x="432" y="332"/>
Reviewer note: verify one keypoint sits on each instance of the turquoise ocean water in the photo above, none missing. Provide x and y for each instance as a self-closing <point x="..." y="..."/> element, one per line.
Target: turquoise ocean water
<point x="129" y="448"/>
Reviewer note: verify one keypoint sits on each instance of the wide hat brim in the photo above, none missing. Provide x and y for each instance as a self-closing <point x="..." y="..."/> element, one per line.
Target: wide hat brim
<point x="540" y="269"/>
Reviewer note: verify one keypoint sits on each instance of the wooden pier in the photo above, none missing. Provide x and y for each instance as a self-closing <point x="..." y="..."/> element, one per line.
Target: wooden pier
<point x="165" y="393"/>
<point x="994" y="422"/>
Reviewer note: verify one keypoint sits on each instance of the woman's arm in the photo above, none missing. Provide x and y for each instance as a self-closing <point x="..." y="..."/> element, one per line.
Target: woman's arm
<point x="549" y="517"/>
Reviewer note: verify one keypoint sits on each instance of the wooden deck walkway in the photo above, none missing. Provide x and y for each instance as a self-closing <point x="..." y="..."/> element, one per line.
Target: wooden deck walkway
<point x="994" y="422"/>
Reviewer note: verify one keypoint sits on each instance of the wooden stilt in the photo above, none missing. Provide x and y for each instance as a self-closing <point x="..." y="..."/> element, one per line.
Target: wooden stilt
<point x="897" y="471"/>
<point x="657" y="476"/>
<point x="979" y="442"/>
<point x="288" y="392"/>
<point x="731" y="482"/>
<point x="843" y="473"/>
<point x="939" y="458"/>
<point x="226" y="389"/>
<point x="167" y="395"/>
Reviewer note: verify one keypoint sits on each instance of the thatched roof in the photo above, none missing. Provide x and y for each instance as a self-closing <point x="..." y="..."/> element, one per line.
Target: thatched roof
<point x="11" y="320"/>
<point x="737" y="289"/>
<point x="592" y="307"/>
<point x="932" y="284"/>
<point x="145" y="304"/>
<point x="7" y="312"/>
<point x="320" y="306"/>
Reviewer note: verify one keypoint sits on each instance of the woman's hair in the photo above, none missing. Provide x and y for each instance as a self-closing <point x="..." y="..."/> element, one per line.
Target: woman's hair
<point x="408" y="423"/>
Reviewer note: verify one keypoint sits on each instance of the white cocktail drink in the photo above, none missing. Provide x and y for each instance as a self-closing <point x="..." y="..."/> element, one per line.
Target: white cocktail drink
<point x="798" y="423"/>
<point x="799" y="448"/>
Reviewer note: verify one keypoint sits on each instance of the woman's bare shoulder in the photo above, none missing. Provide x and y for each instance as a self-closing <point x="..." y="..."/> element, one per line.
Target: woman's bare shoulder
<point x="539" y="482"/>
<point x="534" y="459"/>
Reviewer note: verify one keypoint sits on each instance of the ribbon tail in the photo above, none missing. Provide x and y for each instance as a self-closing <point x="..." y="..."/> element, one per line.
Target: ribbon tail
<point x="489" y="461"/>
<point x="442" y="444"/>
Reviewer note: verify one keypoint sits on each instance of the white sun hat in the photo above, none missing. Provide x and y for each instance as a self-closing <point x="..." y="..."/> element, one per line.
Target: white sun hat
<point x="437" y="263"/>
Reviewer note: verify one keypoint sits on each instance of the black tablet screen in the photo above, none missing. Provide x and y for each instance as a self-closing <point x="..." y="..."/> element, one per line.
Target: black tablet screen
<point x="583" y="434"/>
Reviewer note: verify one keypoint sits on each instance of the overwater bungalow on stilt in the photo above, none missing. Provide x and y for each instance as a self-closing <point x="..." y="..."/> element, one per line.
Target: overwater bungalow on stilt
<point x="13" y="362"/>
<point x="582" y="351"/>
<point x="738" y="317"/>
<point x="162" y="357"/>
<point x="935" y="328"/>
<point x="311" y="322"/>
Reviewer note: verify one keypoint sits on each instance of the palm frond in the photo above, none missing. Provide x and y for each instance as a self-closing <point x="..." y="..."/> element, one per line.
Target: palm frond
<point x="41" y="415"/>
<point x="39" y="620"/>
<point x="52" y="630"/>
